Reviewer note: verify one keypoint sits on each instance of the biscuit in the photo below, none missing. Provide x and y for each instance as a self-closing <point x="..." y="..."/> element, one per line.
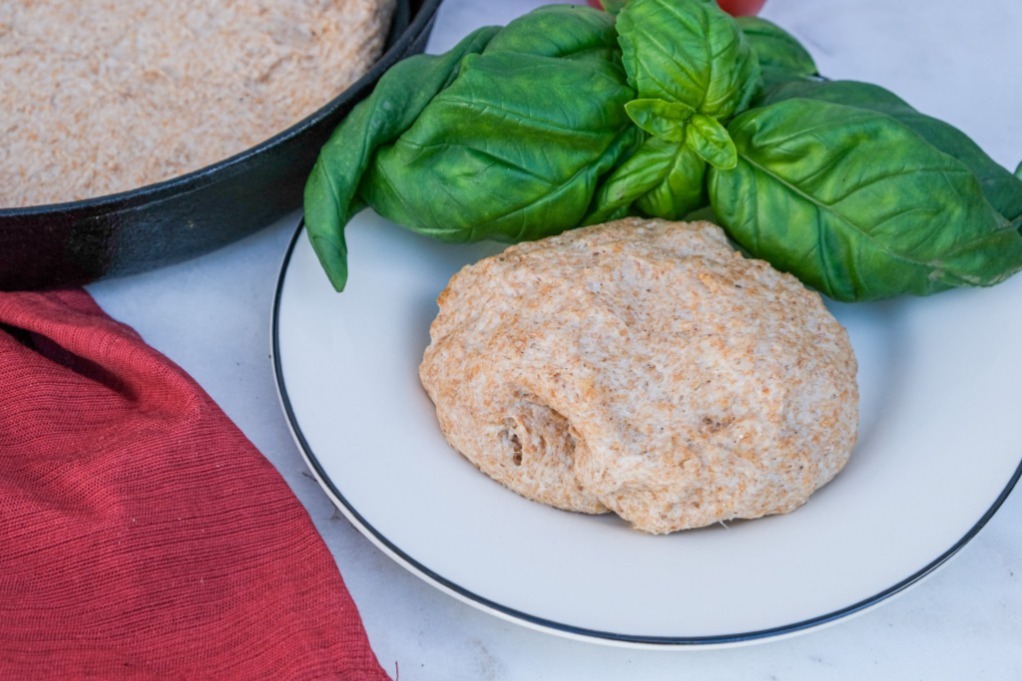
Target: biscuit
<point x="643" y="367"/>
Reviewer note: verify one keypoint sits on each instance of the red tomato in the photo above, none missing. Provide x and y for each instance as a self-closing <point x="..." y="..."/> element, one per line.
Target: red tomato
<point x="741" y="7"/>
<point x="736" y="7"/>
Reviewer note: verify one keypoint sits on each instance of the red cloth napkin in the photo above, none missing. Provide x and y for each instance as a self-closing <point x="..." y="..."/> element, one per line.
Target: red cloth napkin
<point x="141" y="534"/>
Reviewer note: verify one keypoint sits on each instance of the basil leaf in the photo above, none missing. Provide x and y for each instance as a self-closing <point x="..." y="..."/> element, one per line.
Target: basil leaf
<point x="1001" y="188"/>
<point x="639" y="174"/>
<point x="331" y="191"/>
<point x="777" y="50"/>
<point x="463" y="157"/>
<point x="562" y="31"/>
<point x="857" y="205"/>
<point x="690" y="52"/>
<point x="681" y="191"/>
<point x="711" y="142"/>
<point x="511" y="150"/>
<point x="665" y="120"/>
<point x="663" y="179"/>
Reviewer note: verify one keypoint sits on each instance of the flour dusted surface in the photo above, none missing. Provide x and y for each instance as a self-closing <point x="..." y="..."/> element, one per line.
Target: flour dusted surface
<point x="646" y="368"/>
<point x="98" y="96"/>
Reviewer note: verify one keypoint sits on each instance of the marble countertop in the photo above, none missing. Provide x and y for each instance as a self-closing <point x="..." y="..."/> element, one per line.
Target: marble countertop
<point x="958" y="61"/>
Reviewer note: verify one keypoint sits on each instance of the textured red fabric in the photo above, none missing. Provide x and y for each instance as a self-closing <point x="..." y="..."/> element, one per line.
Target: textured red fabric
<point x="141" y="534"/>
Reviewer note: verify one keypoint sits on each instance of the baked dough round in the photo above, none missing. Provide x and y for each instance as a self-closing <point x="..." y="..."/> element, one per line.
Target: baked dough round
<point x="643" y="367"/>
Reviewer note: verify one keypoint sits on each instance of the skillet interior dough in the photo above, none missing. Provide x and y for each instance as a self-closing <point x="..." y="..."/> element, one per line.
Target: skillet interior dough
<point x="643" y="367"/>
<point x="100" y="96"/>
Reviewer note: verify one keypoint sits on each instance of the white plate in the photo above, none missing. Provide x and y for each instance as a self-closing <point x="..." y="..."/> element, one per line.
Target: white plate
<point x="939" y="450"/>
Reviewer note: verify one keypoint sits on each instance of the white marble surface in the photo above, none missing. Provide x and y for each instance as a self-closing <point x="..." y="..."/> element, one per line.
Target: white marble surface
<point x="959" y="61"/>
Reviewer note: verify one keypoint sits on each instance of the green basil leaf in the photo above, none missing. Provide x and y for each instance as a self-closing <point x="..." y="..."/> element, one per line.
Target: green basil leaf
<point x="639" y="174"/>
<point x="562" y="31"/>
<point x="665" y="120"/>
<point x="776" y="49"/>
<point x="331" y="192"/>
<point x="858" y="205"/>
<point x="690" y="52"/>
<point x="511" y="150"/>
<point x="663" y="179"/>
<point x="1001" y="188"/>
<point x="682" y="191"/>
<point x="711" y="142"/>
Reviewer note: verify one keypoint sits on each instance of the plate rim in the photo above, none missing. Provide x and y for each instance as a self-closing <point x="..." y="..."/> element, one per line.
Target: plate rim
<point x="485" y="604"/>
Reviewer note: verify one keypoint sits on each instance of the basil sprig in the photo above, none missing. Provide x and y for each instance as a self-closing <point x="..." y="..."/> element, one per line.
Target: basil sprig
<point x="691" y="68"/>
<point x="567" y="117"/>
<point x="504" y="137"/>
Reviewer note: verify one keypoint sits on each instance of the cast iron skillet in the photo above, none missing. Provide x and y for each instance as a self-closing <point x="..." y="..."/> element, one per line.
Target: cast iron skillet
<point x="74" y="243"/>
